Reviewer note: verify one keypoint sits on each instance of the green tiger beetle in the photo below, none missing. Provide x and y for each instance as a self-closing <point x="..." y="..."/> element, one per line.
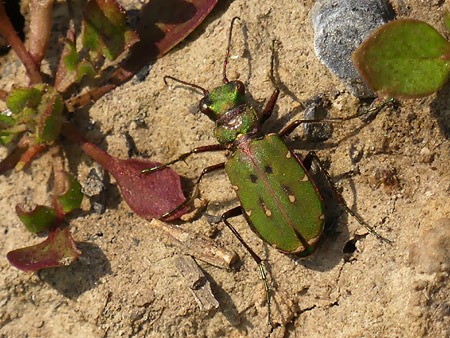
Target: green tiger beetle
<point x="277" y="196"/>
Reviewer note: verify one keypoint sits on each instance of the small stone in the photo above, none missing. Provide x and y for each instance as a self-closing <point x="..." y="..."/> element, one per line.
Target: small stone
<point x="95" y="187"/>
<point x="316" y="109"/>
<point x="339" y="28"/>
<point x="426" y="156"/>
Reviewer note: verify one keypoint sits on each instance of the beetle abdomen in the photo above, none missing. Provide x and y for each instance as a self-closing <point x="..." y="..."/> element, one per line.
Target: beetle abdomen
<point x="276" y="194"/>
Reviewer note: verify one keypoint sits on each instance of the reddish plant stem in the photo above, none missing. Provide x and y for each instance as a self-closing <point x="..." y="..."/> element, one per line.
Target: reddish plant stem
<point x="89" y="97"/>
<point x="8" y="32"/>
<point x="97" y="154"/>
<point x="61" y="183"/>
<point x="29" y="155"/>
<point x="40" y="28"/>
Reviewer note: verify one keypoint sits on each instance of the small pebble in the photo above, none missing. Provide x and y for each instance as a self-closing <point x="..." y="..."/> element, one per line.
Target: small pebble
<point x="339" y="28"/>
<point x="316" y="109"/>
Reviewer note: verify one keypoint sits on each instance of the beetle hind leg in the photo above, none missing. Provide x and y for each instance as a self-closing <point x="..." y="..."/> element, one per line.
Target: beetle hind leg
<point x="312" y="157"/>
<point x="237" y="212"/>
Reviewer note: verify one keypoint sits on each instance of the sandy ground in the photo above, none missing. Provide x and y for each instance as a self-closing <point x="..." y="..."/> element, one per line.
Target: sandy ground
<point x="125" y="283"/>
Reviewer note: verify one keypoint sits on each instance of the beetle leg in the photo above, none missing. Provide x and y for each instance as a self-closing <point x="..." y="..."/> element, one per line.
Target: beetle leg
<point x="268" y="109"/>
<point x="182" y="157"/>
<point x="294" y="124"/>
<point x="312" y="156"/>
<point x="195" y="191"/>
<point x="237" y="212"/>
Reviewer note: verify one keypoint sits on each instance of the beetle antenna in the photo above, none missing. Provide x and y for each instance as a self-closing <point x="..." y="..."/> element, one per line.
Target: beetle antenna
<point x="205" y="91"/>
<point x="225" y="79"/>
<point x="272" y="62"/>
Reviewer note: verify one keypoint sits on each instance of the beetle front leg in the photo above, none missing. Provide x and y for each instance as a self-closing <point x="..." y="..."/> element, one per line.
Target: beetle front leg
<point x="268" y="109"/>
<point x="182" y="157"/>
<point x="307" y="162"/>
<point x="195" y="192"/>
<point x="237" y="212"/>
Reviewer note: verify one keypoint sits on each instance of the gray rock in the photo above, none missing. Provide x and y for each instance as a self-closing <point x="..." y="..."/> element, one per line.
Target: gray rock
<point x="339" y="28"/>
<point x="95" y="188"/>
<point x="317" y="109"/>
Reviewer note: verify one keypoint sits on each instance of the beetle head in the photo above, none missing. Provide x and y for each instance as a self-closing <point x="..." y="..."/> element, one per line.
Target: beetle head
<point x="223" y="99"/>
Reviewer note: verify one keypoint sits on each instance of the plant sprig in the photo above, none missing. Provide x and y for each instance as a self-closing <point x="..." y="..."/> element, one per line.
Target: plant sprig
<point x="35" y="119"/>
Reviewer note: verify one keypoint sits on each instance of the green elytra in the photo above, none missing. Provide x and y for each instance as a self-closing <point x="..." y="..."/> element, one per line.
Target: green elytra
<point x="277" y="196"/>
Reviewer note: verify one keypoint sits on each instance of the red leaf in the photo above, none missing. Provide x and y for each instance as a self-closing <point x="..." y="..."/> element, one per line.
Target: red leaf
<point x="64" y="75"/>
<point x="164" y="23"/>
<point x="58" y="249"/>
<point x="149" y="195"/>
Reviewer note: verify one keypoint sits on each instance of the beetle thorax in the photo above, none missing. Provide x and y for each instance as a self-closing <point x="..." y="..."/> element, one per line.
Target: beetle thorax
<point x="239" y="121"/>
<point x="227" y="106"/>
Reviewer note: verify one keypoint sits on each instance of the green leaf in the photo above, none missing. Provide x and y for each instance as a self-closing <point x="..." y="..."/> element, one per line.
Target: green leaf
<point x="404" y="59"/>
<point x="50" y="121"/>
<point x="39" y="107"/>
<point x="58" y="249"/>
<point x="39" y="219"/>
<point x="7" y="130"/>
<point x="20" y="98"/>
<point x="70" y="55"/>
<point x="85" y="67"/>
<point x="72" y="197"/>
<point x="7" y="135"/>
<point x="6" y="121"/>
<point x="105" y="29"/>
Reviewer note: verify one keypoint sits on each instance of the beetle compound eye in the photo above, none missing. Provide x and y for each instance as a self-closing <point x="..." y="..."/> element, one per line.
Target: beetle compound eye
<point x="204" y="107"/>
<point x="240" y="88"/>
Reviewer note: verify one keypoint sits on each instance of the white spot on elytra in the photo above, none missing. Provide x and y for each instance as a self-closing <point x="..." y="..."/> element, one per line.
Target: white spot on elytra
<point x="313" y="241"/>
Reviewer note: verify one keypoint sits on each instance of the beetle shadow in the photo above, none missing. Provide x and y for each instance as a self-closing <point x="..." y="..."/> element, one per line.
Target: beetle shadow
<point x="80" y="276"/>
<point x="330" y="250"/>
<point x="276" y="80"/>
